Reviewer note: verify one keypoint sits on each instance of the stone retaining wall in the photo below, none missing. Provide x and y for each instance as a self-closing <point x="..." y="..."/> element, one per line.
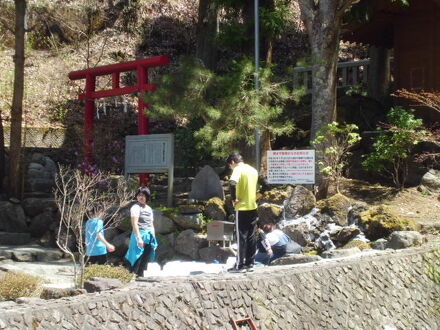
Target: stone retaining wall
<point x="390" y="290"/>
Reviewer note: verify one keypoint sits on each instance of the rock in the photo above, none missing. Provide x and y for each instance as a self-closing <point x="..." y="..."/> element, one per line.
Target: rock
<point x="49" y="255"/>
<point x="193" y="221"/>
<point x="337" y="207"/>
<point x="354" y="212"/>
<point x="269" y="213"/>
<point x="324" y="242"/>
<point x="340" y="253"/>
<point x="380" y="244"/>
<point x="98" y="284"/>
<point x="404" y="239"/>
<point x="35" y="206"/>
<point x="291" y="259"/>
<point x="163" y="224"/>
<point x="121" y="242"/>
<point x="211" y="253"/>
<point x="299" y="233"/>
<point x="343" y="235"/>
<point x="431" y="180"/>
<point x="12" y="218"/>
<point x="206" y="185"/>
<point x="190" y="208"/>
<point x="28" y="300"/>
<point x="41" y="223"/>
<point x="188" y="243"/>
<point x="214" y="209"/>
<point x="24" y="256"/>
<point x="14" y="238"/>
<point x="276" y="195"/>
<point x="380" y="221"/>
<point x="57" y="293"/>
<point x="110" y="233"/>
<point x="41" y="175"/>
<point x="301" y="202"/>
<point x="357" y="243"/>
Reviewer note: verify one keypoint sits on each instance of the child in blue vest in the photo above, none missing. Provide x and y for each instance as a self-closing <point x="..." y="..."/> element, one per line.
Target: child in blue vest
<point x="96" y="244"/>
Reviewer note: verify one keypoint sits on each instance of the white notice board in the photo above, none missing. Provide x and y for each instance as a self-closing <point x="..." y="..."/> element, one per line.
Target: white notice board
<point x="153" y="153"/>
<point x="291" y="166"/>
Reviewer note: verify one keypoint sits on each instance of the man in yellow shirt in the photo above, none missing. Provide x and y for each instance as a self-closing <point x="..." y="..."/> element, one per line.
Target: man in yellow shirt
<point x="243" y="185"/>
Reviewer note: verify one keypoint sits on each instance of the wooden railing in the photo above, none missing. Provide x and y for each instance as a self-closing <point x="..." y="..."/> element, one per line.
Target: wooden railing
<point x="349" y="74"/>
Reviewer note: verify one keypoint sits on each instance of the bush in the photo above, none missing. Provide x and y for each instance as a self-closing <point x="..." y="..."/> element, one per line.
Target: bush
<point x="108" y="271"/>
<point x="14" y="285"/>
<point x="394" y="145"/>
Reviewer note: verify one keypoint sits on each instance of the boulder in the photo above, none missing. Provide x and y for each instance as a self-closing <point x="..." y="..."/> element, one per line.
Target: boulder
<point x="189" y="243"/>
<point x="212" y="253"/>
<point x="269" y="213"/>
<point x="49" y="255"/>
<point x="41" y="223"/>
<point x="35" y="206"/>
<point x="301" y="202"/>
<point x="324" y="241"/>
<point x="357" y="243"/>
<point x="215" y="209"/>
<point x="276" y="195"/>
<point x="380" y="244"/>
<point x="121" y="242"/>
<point x="98" y="284"/>
<point x="340" y="253"/>
<point x="380" y="221"/>
<point x="343" y="235"/>
<point x="189" y="221"/>
<point x="291" y="259"/>
<point x="12" y="218"/>
<point x="431" y="180"/>
<point x="206" y="185"/>
<point x="40" y="174"/>
<point x="354" y="212"/>
<point x="404" y="239"/>
<point x="299" y="233"/>
<point x="57" y="293"/>
<point x="337" y="207"/>
<point x="14" y="238"/>
<point x="163" y="224"/>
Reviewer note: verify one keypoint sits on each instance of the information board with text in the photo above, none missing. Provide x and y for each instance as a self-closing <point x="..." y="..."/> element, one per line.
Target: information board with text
<point x="291" y="166"/>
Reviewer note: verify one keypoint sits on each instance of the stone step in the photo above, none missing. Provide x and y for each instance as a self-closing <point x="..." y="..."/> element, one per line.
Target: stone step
<point x="27" y="253"/>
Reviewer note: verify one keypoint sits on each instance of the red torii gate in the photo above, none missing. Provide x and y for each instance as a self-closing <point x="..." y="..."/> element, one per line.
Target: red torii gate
<point x="90" y="94"/>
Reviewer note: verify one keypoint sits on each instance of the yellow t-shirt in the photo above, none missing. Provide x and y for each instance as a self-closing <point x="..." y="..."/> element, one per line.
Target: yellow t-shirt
<point x="246" y="177"/>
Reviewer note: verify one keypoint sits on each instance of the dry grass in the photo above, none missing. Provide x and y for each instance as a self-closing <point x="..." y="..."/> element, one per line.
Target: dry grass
<point x="108" y="271"/>
<point x="14" y="285"/>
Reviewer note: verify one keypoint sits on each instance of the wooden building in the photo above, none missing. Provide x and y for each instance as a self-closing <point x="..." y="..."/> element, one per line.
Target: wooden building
<point x="413" y="32"/>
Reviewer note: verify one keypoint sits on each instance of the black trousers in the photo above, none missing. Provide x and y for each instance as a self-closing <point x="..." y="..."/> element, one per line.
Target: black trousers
<point x="246" y="237"/>
<point x="98" y="260"/>
<point x="142" y="263"/>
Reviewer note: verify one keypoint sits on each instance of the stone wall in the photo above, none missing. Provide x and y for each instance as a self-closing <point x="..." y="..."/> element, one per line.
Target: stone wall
<point x="386" y="290"/>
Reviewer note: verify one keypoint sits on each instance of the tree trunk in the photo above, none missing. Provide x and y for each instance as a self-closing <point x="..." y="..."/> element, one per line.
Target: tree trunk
<point x="323" y="23"/>
<point x="17" y="101"/>
<point x="206" y="33"/>
<point x="379" y="73"/>
<point x="2" y="153"/>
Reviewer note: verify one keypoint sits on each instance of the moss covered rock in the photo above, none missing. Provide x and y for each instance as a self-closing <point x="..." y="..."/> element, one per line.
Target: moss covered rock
<point x="269" y="213"/>
<point x="337" y="207"/>
<point x="361" y="245"/>
<point x="380" y="221"/>
<point x="215" y="209"/>
<point x="276" y="195"/>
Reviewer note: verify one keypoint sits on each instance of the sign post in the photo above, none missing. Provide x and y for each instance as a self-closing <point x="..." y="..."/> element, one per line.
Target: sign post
<point x="153" y="153"/>
<point x="291" y="166"/>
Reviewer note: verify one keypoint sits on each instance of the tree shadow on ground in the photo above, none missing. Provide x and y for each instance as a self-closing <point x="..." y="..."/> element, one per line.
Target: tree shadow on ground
<point x="367" y="192"/>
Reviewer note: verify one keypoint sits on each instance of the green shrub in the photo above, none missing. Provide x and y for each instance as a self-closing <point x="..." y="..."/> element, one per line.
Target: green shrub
<point x="108" y="271"/>
<point x="14" y="285"/>
<point x="394" y="145"/>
